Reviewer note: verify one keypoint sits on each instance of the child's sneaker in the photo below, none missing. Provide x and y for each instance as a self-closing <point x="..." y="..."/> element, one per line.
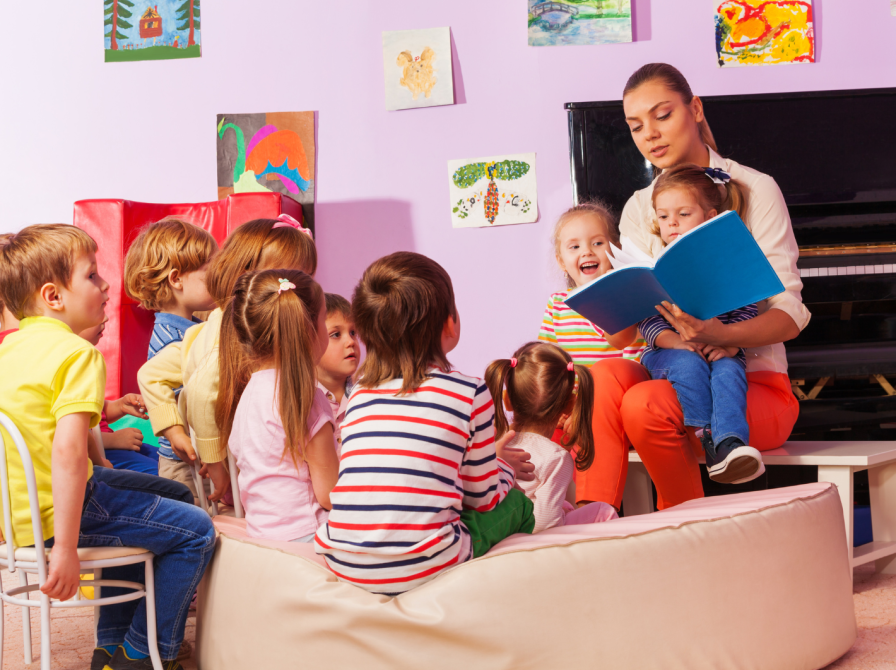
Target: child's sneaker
<point x="121" y="661"/>
<point x="732" y="462"/>
<point x="100" y="659"/>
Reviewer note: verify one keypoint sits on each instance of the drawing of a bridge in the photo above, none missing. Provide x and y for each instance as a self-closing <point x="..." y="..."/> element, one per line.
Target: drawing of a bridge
<point x="554" y="15"/>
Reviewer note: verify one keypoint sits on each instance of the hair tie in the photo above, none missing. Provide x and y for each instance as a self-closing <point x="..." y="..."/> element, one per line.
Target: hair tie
<point x="286" y="221"/>
<point x="285" y="285"/>
<point x="571" y="366"/>
<point x="718" y="175"/>
<point x="513" y="362"/>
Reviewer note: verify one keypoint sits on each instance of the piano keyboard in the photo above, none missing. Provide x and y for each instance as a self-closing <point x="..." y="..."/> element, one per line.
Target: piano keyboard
<point x="848" y="270"/>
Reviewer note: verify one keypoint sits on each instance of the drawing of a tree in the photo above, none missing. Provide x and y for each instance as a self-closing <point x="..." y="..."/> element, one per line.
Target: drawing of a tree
<point x="115" y="19"/>
<point x="189" y="14"/>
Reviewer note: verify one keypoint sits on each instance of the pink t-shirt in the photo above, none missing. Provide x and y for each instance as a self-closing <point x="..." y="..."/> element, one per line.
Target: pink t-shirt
<point x="278" y="498"/>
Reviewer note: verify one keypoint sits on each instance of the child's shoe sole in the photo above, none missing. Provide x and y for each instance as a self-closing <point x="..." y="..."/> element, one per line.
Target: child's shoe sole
<point x="743" y="464"/>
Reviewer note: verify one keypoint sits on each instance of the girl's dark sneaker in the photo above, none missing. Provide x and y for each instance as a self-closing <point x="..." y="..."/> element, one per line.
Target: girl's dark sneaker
<point x="121" y="661"/>
<point x="732" y="461"/>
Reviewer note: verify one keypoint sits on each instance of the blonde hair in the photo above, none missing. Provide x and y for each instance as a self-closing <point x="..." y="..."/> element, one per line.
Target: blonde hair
<point x="400" y="307"/>
<point x="539" y="386"/>
<point x="674" y="81"/>
<point x="710" y="195"/>
<point x="169" y="244"/>
<point x="596" y="208"/>
<point x="35" y="256"/>
<point x="257" y="245"/>
<point x="262" y="323"/>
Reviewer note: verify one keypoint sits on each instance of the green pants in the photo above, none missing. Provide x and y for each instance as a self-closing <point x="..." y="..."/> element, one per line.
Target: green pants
<point x="512" y="515"/>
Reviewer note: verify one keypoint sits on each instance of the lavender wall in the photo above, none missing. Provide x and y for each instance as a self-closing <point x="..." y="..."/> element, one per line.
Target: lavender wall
<point x="75" y="127"/>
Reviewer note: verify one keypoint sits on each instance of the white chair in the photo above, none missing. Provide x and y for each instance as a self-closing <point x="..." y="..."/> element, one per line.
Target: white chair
<point x="234" y="485"/>
<point x="33" y="560"/>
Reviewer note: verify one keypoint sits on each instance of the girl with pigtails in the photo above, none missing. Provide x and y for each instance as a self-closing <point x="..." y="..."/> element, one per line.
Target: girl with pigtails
<point x="276" y="421"/>
<point x="539" y="385"/>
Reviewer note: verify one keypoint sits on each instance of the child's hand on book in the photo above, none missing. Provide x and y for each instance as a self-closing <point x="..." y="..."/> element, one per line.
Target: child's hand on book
<point x="713" y="353"/>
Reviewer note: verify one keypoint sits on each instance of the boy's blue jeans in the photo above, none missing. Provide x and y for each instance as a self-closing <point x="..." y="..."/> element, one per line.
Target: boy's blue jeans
<point x="128" y="509"/>
<point x="711" y="394"/>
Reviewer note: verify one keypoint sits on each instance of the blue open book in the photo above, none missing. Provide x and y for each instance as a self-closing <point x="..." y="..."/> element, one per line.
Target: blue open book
<point x="710" y="270"/>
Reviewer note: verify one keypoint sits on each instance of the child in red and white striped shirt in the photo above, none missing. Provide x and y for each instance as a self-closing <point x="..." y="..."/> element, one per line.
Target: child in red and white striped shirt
<point x="421" y="485"/>
<point x="539" y="385"/>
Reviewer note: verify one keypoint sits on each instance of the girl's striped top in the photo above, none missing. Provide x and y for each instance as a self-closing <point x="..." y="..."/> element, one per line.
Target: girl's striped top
<point x="580" y="338"/>
<point x="409" y="465"/>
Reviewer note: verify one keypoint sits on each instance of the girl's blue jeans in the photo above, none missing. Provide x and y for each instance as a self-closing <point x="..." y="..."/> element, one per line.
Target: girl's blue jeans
<point x="711" y="394"/>
<point x="131" y="509"/>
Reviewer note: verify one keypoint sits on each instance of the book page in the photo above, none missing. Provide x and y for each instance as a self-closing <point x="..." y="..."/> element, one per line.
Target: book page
<point x="630" y="254"/>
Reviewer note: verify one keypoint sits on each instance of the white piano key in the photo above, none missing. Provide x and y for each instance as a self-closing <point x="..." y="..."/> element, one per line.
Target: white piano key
<point x="851" y="270"/>
<point x="888" y="269"/>
<point x="869" y="269"/>
<point x="841" y="271"/>
<point x="878" y="269"/>
<point x="804" y="272"/>
<point x="822" y="272"/>
<point x="813" y="272"/>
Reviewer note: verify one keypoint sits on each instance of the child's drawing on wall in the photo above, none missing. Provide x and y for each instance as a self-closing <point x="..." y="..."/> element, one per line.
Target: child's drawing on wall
<point x="417" y="67"/>
<point x="493" y="191"/>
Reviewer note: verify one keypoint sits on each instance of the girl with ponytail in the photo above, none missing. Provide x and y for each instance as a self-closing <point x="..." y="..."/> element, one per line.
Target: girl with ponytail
<point x="276" y="422"/>
<point x="540" y="384"/>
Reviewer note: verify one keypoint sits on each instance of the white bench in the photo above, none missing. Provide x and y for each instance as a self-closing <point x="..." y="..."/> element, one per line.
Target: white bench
<point x="836" y="461"/>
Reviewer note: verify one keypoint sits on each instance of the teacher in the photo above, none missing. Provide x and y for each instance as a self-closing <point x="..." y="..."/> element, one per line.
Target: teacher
<point x="668" y="126"/>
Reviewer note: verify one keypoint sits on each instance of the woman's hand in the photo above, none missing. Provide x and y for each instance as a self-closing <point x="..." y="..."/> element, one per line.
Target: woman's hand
<point x="690" y="329"/>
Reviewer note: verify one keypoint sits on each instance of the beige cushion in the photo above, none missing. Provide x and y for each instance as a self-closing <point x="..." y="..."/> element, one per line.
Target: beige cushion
<point x="755" y="580"/>
<point x="29" y="554"/>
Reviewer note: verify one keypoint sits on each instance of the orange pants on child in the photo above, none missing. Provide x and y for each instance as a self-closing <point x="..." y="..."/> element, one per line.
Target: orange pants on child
<point x="630" y="409"/>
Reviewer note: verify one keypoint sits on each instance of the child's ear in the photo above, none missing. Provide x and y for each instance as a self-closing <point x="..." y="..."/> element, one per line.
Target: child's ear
<point x="51" y="296"/>
<point x="450" y="329"/>
<point x="711" y="213"/>
<point x="507" y="406"/>
<point x="176" y="280"/>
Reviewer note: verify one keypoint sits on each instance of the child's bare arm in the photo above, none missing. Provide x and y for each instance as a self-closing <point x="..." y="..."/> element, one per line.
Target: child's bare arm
<point x="69" y="477"/>
<point x="320" y="455"/>
<point x="624" y="338"/>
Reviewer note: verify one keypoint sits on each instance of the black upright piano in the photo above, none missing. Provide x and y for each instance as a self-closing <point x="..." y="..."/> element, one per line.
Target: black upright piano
<point x="833" y="153"/>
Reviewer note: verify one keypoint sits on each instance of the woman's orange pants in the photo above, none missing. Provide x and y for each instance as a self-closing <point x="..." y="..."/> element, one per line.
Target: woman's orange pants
<point x="632" y="410"/>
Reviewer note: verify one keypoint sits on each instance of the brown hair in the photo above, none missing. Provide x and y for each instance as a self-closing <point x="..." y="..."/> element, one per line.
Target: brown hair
<point x="336" y="304"/>
<point x="539" y="388"/>
<point x="4" y="239"/>
<point x="709" y="194"/>
<point x="594" y="207"/>
<point x="35" y="256"/>
<point x="399" y="308"/>
<point x="674" y="81"/>
<point x="257" y="245"/>
<point x="169" y="244"/>
<point x="264" y="324"/>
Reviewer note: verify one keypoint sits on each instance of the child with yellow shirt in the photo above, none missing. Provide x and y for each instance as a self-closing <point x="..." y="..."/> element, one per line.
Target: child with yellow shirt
<point x="52" y="388"/>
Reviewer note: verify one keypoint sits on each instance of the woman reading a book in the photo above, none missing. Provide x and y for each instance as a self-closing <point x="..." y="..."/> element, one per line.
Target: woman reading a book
<point x="668" y="126"/>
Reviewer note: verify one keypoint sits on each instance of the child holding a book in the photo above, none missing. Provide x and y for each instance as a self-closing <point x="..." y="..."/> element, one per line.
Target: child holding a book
<point x="539" y="384"/>
<point x="710" y="381"/>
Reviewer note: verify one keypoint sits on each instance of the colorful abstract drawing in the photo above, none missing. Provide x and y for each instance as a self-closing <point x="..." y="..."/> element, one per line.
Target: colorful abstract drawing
<point x="267" y="152"/>
<point x="482" y="195"/>
<point x="756" y="32"/>
<point x="164" y="30"/>
<point x="418" y="68"/>
<point x="573" y="22"/>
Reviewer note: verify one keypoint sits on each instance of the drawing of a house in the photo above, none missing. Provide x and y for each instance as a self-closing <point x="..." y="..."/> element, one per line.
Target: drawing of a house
<point x="151" y="23"/>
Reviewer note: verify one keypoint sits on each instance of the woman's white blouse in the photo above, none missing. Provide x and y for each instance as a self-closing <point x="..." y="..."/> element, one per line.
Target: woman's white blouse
<point x="769" y="221"/>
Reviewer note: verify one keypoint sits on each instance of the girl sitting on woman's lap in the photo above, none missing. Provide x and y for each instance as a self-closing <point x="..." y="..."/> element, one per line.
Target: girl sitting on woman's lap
<point x="539" y="385"/>
<point x="277" y="423"/>
<point x="710" y="381"/>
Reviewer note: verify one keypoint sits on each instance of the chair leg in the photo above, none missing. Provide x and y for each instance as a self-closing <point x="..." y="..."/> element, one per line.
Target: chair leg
<point x="151" y="634"/>
<point x="44" y="632"/>
<point x="97" y="576"/>
<point x="2" y="618"/>
<point x="26" y="619"/>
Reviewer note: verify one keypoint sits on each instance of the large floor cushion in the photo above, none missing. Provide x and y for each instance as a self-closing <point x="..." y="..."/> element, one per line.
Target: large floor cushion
<point x="754" y="580"/>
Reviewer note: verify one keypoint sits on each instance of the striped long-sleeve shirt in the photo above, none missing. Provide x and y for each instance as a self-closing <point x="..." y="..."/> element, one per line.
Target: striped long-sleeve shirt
<point x="651" y="327"/>
<point x="409" y="465"/>
<point x="580" y="338"/>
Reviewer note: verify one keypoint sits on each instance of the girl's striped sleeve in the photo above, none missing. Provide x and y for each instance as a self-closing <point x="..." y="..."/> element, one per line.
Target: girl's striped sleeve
<point x="485" y="478"/>
<point x="651" y="327"/>
<point x="547" y="333"/>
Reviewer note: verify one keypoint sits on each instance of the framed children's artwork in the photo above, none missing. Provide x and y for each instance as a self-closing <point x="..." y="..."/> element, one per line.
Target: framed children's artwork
<point x="151" y="30"/>
<point x="576" y="22"/>
<point x="494" y="191"/>
<point x="758" y="32"/>
<point x="417" y="66"/>
<point x="267" y="152"/>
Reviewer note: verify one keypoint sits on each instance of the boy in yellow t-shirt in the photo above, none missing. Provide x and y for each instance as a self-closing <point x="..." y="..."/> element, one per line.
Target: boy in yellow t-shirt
<point x="52" y="388"/>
